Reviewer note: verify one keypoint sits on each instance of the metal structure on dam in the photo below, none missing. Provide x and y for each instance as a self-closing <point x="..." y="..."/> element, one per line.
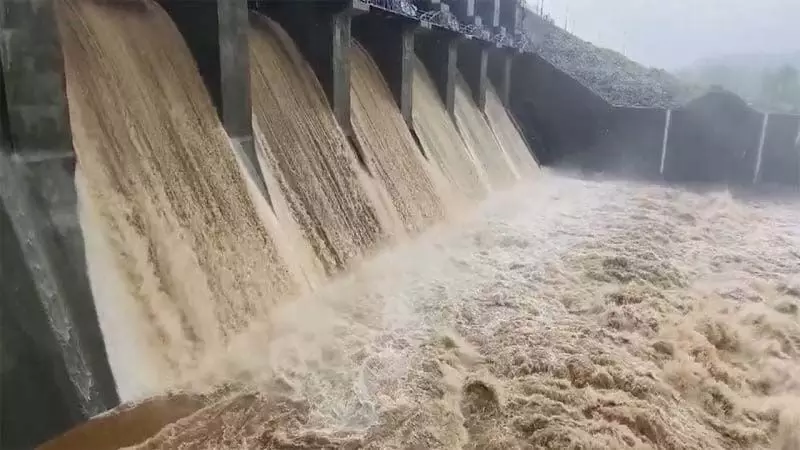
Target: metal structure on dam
<point x="44" y="283"/>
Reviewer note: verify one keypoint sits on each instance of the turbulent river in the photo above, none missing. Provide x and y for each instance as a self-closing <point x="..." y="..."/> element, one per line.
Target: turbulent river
<point x="565" y="313"/>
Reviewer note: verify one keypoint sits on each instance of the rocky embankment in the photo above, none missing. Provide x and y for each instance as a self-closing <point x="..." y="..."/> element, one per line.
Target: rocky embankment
<point x="614" y="77"/>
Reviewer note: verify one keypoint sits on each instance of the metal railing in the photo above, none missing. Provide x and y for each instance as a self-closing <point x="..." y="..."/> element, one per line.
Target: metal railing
<point x="441" y="18"/>
<point x="403" y="7"/>
<point x="446" y="19"/>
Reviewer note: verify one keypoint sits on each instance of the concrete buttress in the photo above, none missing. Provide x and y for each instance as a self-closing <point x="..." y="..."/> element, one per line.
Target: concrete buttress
<point x="438" y="50"/>
<point x="499" y="70"/>
<point x="473" y="59"/>
<point x="389" y="38"/>
<point x="45" y="288"/>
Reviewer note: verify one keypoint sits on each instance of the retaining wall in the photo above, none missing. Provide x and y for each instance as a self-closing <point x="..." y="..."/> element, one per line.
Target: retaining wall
<point x="45" y="289"/>
<point x="566" y="118"/>
<point x="631" y="143"/>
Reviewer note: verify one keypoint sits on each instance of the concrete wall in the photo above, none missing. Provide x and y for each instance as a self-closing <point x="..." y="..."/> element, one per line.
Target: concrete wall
<point x="713" y="139"/>
<point x="59" y="376"/>
<point x="501" y="61"/>
<point x="564" y="118"/>
<point x="37" y="398"/>
<point x="464" y="10"/>
<point x="437" y="48"/>
<point x="780" y="157"/>
<point x="509" y="14"/>
<point x="473" y="62"/>
<point x="389" y="39"/>
<point x="489" y="11"/>
<point x="631" y="143"/>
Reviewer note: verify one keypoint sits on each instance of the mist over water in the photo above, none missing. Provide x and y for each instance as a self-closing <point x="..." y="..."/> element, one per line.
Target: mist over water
<point x="560" y="313"/>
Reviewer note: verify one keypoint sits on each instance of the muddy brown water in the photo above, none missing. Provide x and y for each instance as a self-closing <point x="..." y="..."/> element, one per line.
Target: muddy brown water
<point x="563" y="314"/>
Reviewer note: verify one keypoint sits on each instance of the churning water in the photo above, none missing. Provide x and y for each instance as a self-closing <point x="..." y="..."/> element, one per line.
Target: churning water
<point x="563" y="313"/>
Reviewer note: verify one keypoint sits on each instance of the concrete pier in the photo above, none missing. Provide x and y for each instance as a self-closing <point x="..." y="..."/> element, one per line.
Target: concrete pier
<point x="322" y="32"/>
<point x="499" y="72"/>
<point x="216" y="33"/>
<point x="464" y="10"/>
<point x="438" y="50"/>
<point x="45" y="287"/>
<point x="389" y="39"/>
<point x="473" y="60"/>
<point x="509" y="15"/>
<point x="489" y="12"/>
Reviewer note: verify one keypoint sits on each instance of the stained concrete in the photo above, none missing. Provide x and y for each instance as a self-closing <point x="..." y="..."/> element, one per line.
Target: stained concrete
<point x="438" y="50"/>
<point x="472" y="61"/>
<point x="562" y="117"/>
<point x="509" y="15"/>
<point x="389" y="39"/>
<point x="464" y="10"/>
<point x="37" y="400"/>
<point x="631" y="143"/>
<point x="38" y="193"/>
<point x="489" y="11"/>
<point x="713" y="139"/>
<point x="499" y="71"/>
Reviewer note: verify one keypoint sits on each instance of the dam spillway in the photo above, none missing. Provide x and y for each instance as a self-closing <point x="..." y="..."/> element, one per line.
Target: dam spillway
<point x="190" y="184"/>
<point x="196" y="163"/>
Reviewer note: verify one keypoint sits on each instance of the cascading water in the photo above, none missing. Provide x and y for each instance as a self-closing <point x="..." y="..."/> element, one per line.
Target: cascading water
<point x="391" y="154"/>
<point x="307" y="152"/>
<point x="480" y="138"/>
<point x="163" y="195"/>
<point x="508" y="135"/>
<point x="562" y="313"/>
<point x="440" y="139"/>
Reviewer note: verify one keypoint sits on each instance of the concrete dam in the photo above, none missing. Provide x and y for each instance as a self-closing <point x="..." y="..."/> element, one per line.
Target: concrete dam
<point x="203" y="202"/>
